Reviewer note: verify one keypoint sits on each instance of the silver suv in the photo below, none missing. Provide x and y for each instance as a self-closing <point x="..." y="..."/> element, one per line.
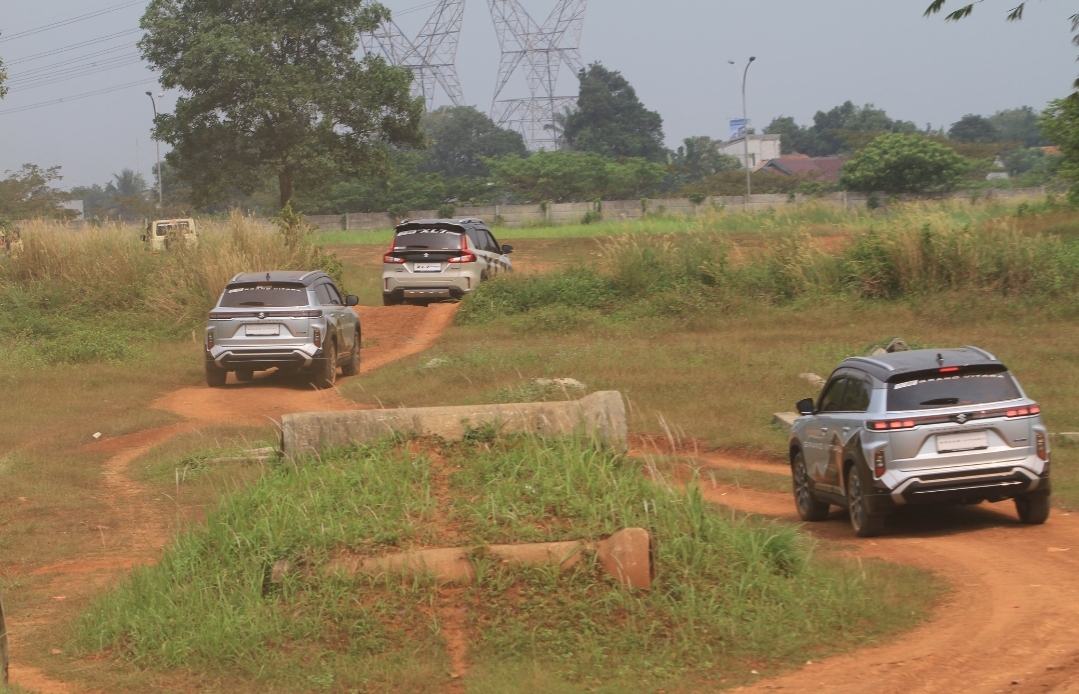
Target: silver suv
<point x="287" y="320"/>
<point x="432" y="259"/>
<point x="919" y="427"/>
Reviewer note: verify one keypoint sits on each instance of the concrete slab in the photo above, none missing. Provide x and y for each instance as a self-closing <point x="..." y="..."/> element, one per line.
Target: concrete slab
<point x="784" y="420"/>
<point x="601" y="415"/>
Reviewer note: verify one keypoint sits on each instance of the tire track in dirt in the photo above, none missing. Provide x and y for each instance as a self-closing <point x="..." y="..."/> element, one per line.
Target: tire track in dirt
<point x="1010" y="623"/>
<point x="139" y="522"/>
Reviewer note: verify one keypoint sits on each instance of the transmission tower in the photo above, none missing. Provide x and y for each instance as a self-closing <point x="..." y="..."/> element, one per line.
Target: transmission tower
<point x="432" y="56"/>
<point x="543" y="50"/>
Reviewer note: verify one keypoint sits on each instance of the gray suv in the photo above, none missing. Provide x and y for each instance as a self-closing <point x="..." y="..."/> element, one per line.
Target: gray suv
<point x="289" y="320"/>
<point x="919" y="427"/>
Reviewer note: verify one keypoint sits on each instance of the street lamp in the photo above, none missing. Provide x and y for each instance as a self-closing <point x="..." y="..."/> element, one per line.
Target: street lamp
<point x="745" y="121"/>
<point x="160" y="197"/>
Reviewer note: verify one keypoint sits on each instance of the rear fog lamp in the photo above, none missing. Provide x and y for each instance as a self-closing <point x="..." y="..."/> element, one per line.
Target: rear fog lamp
<point x="878" y="464"/>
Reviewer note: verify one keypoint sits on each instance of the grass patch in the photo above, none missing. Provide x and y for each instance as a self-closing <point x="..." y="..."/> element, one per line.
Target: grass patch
<point x="729" y="589"/>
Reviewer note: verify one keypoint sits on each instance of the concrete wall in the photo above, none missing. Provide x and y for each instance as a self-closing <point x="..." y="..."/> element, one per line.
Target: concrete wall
<point x="761" y="149"/>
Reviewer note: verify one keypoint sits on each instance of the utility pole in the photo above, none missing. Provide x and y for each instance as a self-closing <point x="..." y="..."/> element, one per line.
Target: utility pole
<point x="160" y="197"/>
<point x="745" y="134"/>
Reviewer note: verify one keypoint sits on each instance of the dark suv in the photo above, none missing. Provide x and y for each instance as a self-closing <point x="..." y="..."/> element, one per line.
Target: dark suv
<point x="919" y="427"/>
<point x="284" y="320"/>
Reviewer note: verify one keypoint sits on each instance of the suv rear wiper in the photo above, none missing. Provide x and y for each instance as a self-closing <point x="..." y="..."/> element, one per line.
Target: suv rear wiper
<point x="252" y="303"/>
<point x="941" y="401"/>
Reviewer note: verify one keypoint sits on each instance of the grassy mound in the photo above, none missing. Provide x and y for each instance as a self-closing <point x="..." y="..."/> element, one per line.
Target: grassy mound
<point x="730" y="590"/>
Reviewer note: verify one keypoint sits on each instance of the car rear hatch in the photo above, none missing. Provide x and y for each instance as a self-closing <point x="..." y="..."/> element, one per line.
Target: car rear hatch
<point x="957" y="416"/>
<point x="429" y="250"/>
<point x="264" y="316"/>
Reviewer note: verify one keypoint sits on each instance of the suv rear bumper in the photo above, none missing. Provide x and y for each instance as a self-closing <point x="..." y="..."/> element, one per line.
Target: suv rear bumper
<point x="421" y="293"/>
<point x="262" y="359"/>
<point x="971" y="486"/>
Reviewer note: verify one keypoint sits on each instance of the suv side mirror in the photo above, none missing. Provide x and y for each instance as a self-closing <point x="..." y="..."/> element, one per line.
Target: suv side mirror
<point x="805" y="407"/>
<point x="506" y="250"/>
<point x="352" y="300"/>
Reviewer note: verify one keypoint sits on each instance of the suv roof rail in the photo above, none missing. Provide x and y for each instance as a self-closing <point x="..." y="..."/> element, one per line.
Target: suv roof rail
<point x="313" y="272"/>
<point x="236" y="277"/>
<point x="470" y="219"/>
<point x="874" y="362"/>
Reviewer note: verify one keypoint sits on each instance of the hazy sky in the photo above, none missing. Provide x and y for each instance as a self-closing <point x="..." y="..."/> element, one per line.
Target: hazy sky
<point x="810" y="56"/>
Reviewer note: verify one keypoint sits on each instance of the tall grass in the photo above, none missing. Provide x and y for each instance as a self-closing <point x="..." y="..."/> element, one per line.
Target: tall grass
<point x="86" y="296"/>
<point x="915" y="253"/>
<point x="727" y="588"/>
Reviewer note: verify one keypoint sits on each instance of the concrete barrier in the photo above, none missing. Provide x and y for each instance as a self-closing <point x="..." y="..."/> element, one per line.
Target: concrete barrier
<point x="626" y="556"/>
<point x="601" y="415"/>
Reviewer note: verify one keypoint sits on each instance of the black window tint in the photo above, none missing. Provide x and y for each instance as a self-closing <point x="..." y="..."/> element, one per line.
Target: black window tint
<point x="488" y="241"/>
<point x="475" y="238"/>
<point x="323" y="295"/>
<point x="832" y="399"/>
<point x="266" y="294"/>
<point x="951" y="391"/>
<point x="427" y="239"/>
<point x="494" y="243"/>
<point x="335" y="297"/>
<point x="856" y="397"/>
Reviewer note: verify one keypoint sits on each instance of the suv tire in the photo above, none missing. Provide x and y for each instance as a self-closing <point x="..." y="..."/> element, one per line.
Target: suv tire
<point x="809" y="508"/>
<point x="215" y="375"/>
<point x="327" y="373"/>
<point x="352" y="366"/>
<point x="1033" y="509"/>
<point x="245" y="375"/>
<point x="864" y="524"/>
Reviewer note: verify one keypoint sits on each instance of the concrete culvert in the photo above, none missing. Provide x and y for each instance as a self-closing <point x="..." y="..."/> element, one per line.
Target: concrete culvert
<point x="626" y="556"/>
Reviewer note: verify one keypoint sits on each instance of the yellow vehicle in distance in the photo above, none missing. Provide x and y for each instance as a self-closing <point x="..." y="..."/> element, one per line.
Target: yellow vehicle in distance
<point x="164" y="234"/>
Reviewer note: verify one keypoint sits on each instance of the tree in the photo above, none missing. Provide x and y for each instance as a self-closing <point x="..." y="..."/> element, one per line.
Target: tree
<point x="698" y="158"/>
<point x="896" y="163"/>
<point x="1060" y="123"/>
<point x="575" y="176"/>
<point x="3" y="78"/>
<point x="972" y="128"/>
<point x="611" y="121"/>
<point x="794" y="138"/>
<point x="273" y="88"/>
<point x="28" y="194"/>
<point x="831" y="132"/>
<point x="1014" y="15"/>
<point x="459" y="138"/>
<point x="1018" y="125"/>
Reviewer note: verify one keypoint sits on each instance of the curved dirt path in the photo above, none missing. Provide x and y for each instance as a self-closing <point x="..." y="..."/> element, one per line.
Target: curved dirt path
<point x="141" y="520"/>
<point x="1009" y="624"/>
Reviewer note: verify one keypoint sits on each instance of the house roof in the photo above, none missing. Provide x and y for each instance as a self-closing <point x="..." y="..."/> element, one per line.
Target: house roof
<point x="826" y="169"/>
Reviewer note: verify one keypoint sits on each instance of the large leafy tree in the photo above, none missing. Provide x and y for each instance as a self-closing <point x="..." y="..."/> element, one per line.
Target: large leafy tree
<point x="29" y="193"/>
<point x="459" y="138"/>
<point x="831" y="130"/>
<point x="1060" y="123"/>
<point x="896" y="163"/>
<point x="972" y="128"/>
<point x="698" y="158"/>
<point x="273" y="89"/>
<point x="1018" y="125"/>
<point x="3" y="78"/>
<point x="610" y="119"/>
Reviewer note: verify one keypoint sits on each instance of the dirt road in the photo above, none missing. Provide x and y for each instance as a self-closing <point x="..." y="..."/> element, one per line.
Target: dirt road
<point x="1010" y="623"/>
<point x="139" y="523"/>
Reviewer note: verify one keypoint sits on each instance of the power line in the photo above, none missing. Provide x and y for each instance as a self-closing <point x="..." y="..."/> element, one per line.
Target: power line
<point x="76" y="97"/>
<point x="73" y="72"/>
<point x="81" y="59"/>
<point x="71" y="20"/>
<point x="72" y="47"/>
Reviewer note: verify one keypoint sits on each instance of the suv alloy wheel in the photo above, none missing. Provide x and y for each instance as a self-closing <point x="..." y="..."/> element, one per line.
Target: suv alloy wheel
<point x="864" y="524"/>
<point x="352" y="366"/>
<point x="809" y="509"/>
<point x="328" y="373"/>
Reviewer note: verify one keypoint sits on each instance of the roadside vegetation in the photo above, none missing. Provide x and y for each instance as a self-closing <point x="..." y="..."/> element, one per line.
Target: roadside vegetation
<point x="732" y="594"/>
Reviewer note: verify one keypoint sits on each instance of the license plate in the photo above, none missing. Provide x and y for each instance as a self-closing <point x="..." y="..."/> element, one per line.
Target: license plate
<point x="966" y="441"/>
<point x="262" y="330"/>
<point x="427" y="267"/>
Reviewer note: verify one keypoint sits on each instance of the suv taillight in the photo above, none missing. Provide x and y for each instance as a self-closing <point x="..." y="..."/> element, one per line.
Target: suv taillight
<point x="891" y="424"/>
<point x="1023" y="411"/>
<point x="878" y="464"/>
<point x="209" y="339"/>
<point x="318" y="337"/>
<point x="466" y="256"/>
<point x="390" y="258"/>
<point x="1039" y="442"/>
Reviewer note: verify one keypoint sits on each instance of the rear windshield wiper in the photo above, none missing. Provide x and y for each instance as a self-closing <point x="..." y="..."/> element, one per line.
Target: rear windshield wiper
<point x="252" y="303"/>
<point x="941" y="401"/>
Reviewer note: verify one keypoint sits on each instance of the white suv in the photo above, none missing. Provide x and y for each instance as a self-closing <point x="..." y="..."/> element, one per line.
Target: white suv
<point x="432" y="259"/>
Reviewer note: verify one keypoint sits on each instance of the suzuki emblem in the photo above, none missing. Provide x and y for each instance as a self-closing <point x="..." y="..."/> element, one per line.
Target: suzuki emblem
<point x="426" y="255"/>
<point x="962" y="418"/>
<point x="262" y="314"/>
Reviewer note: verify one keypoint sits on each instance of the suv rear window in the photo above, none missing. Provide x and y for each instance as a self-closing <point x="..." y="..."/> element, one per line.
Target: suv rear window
<point x="951" y="391"/>
<point x="264" y="294"/>
<point x="427" y="239"/>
